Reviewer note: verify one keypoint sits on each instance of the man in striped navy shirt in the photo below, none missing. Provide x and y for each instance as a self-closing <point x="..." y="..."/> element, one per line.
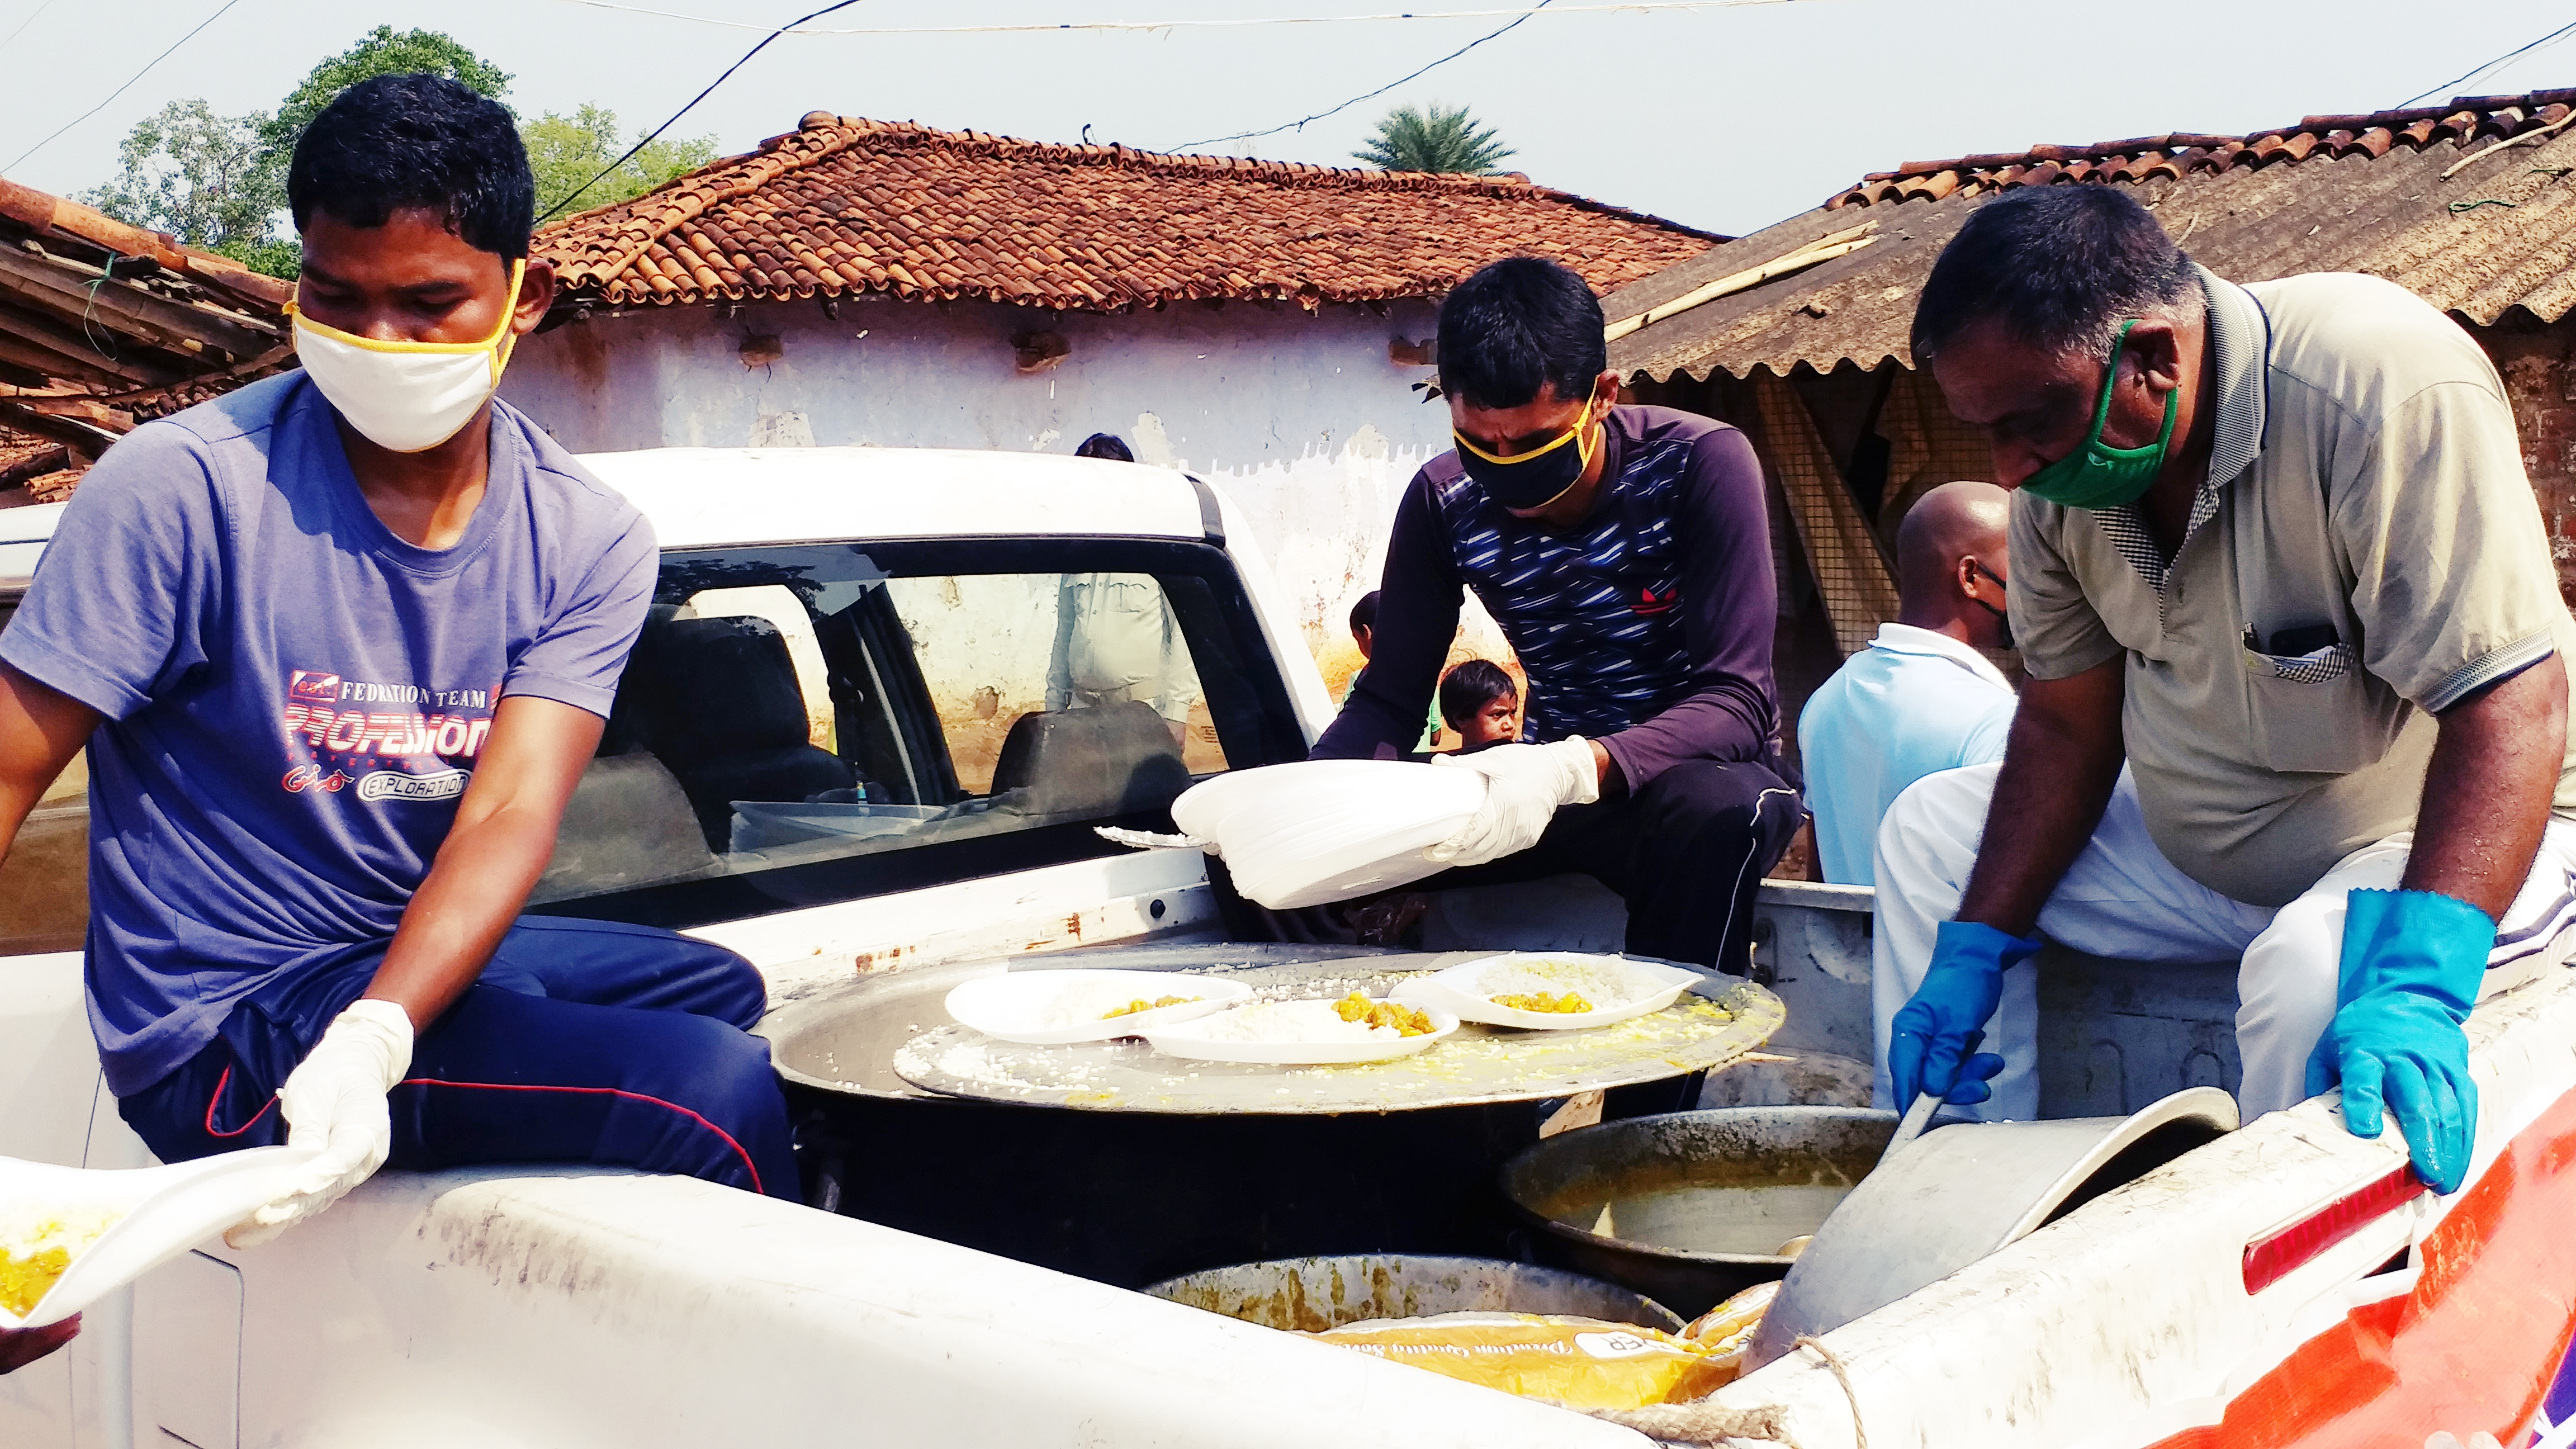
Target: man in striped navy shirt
<point x="1626" y="553"/>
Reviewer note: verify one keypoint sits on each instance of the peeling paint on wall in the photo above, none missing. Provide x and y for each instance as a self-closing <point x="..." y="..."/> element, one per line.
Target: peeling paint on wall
<point x="1151" y="445"/>
<point x="781" y="430"/>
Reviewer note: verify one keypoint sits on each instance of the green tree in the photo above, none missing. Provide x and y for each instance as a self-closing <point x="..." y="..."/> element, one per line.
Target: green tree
<point x="567" y="151"/>
<point x="199" y="177"/>
<point x="379" y="52"/>
<point x="1433" y="138"/>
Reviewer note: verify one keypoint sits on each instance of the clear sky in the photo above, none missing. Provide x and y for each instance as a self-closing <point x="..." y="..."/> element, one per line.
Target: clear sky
<point x="1728" y="118"/>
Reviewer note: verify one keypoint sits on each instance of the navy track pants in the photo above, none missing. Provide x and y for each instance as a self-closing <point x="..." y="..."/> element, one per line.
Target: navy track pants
<point x="583" y="1041"/>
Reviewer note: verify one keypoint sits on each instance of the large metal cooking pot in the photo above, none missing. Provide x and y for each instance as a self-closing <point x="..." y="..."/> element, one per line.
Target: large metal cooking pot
<point x="1309" y="1295"/>
<point x="1699" y="1203"/>
<point x="1132" y="1197"/>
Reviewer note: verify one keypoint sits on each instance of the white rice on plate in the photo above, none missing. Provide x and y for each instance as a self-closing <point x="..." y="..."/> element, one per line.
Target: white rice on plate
<point x="1603" y="984"/>
<point x="1084" y="1003"/>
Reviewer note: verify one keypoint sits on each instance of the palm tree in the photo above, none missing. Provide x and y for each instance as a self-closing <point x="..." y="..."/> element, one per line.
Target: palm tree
<point x="1433" y="138"/>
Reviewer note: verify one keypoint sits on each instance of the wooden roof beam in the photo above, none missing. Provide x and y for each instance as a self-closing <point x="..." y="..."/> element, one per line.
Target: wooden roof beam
<point x="41" y="212"/>
<point x="79" y="355"/>
<point x="72" y="290"/>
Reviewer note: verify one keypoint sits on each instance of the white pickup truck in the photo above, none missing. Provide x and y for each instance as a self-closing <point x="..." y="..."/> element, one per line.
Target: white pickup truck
<point x="842" y="750"/>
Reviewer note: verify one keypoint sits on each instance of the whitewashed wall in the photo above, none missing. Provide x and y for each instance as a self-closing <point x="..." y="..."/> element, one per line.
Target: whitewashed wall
<point x="1301" y="417"/>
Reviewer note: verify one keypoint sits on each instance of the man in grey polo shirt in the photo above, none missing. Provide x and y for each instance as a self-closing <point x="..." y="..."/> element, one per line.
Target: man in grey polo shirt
<point x="2275" y="544"/>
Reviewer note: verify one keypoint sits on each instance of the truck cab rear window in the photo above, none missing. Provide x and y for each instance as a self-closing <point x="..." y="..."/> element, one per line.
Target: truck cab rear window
<point x="805" y="724"/>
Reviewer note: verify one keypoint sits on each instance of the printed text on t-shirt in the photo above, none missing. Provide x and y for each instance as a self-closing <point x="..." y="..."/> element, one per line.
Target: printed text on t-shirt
<point x="455" y="730"/>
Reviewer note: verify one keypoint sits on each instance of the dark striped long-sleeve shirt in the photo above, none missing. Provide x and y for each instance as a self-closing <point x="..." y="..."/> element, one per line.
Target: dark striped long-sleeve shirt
<point x="1648" y="627"/>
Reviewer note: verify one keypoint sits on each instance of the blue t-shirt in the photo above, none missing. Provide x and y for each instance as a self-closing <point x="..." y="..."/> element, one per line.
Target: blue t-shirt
<point x="295" y="697"/>
<point x="1911" y="704"/>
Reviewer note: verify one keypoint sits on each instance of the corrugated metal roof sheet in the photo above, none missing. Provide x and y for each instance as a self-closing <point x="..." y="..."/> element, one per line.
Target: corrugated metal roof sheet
<point x="2348" y="193"/>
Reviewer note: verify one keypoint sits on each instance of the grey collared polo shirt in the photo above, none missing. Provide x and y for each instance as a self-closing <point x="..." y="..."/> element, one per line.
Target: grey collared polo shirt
<point x="2365" y="479"/>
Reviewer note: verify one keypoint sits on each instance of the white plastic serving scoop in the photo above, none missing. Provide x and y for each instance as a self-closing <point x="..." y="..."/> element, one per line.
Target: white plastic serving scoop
<point x="161" y="1213"/>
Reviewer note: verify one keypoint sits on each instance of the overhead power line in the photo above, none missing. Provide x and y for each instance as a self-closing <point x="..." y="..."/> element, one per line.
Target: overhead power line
<point x="796" y="27"/>
<point x="692" y="105"/>
<point x="1299" y="125"/>
<point x="2445" y="87"/>
<point x="1041" y="27"/>
<point x="1517" y="17"/>
<point x="120" y="90"/>
<point x="23" y="24"/>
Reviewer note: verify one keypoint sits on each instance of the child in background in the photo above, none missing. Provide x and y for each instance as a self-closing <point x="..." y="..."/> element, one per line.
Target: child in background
<point x="1482" y="703"/>
<point x="1363" y="634"/>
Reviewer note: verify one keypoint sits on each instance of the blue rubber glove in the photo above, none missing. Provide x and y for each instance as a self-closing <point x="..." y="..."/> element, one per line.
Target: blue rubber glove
<point x="1933" y="1034"/>
<point x="1974" y="1073"/>
<point x="2412" y="964"/>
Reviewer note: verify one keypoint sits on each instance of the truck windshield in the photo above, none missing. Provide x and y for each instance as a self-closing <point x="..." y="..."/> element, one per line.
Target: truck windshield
<point x="813" y="723"/>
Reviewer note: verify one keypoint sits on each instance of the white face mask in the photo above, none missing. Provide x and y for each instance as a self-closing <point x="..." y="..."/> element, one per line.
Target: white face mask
<point x="406" y="397"/>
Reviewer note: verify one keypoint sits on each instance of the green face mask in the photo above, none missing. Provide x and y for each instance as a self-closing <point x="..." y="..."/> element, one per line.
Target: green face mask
<point x="2096" y="476"/>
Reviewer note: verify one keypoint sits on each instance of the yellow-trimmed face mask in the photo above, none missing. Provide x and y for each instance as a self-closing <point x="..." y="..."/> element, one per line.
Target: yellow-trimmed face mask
<point x="406" y="397"/>
<point x="1537" y="478"/>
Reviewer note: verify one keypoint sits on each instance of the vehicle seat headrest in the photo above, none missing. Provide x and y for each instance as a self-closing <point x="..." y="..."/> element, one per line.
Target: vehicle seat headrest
<point x="718" y="687"/>
<point x="1104" y="760"/>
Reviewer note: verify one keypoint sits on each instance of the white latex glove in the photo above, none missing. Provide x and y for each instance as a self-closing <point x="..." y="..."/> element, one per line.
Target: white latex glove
<point x="1525" y="785"/>
<point x="334" y="1101"/>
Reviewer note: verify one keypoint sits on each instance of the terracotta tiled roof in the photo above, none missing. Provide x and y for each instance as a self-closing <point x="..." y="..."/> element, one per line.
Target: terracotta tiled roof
<point x="844" y="205"/>
<point x="2464" y="120"/>
<point x="2413" y="196"/>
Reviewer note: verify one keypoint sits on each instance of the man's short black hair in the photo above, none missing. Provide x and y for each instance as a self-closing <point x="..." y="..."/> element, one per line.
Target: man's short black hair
<point x="399" y="141"/>
<point x="2061" y="267"/>
<point x="1516" y="326"/>
<point x="1467" y="689"/>
<point x="1104" y="445"/>
<point x="1364" y="614"/>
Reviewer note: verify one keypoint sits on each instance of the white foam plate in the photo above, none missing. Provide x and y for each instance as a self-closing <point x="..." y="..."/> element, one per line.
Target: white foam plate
<point x="1190" y="1039"/>
<point x="1462" y="989"/>
<point x="1313" y="831"/>
<point x="166" y="1211"/>
<point x="1027" y="1006"/>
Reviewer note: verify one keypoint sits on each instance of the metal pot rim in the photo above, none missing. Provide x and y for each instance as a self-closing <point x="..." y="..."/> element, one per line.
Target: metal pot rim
<point x="1633" y="1126"/>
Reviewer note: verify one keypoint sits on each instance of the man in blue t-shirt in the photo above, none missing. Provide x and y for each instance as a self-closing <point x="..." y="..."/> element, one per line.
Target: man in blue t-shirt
<point x="340" y="644"/>
<point x="1920" y="698"/>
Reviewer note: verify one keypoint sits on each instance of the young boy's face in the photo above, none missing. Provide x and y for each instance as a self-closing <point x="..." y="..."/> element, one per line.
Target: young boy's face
<point x="412" y="280"/>
<point x="1498" y="723"/>
<point x="1360" y="635"/>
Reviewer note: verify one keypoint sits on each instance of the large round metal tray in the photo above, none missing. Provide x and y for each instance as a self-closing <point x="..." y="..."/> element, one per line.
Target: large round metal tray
<point x="1136" y="1196"/>
<point x="1720" y="1021"/>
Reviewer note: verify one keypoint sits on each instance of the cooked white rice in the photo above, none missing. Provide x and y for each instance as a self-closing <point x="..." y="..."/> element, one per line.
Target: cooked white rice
<point x="1083" y="1003"/>
<point x="1605" y="984"/>
<point x="28" y="1226"/>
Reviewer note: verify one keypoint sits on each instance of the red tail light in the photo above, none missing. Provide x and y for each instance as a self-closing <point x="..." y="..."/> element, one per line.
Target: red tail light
<point x="2276" y="1254"/>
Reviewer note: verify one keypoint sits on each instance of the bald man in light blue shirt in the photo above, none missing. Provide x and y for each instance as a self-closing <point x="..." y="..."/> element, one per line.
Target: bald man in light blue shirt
<point x="1920" y="698"/>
